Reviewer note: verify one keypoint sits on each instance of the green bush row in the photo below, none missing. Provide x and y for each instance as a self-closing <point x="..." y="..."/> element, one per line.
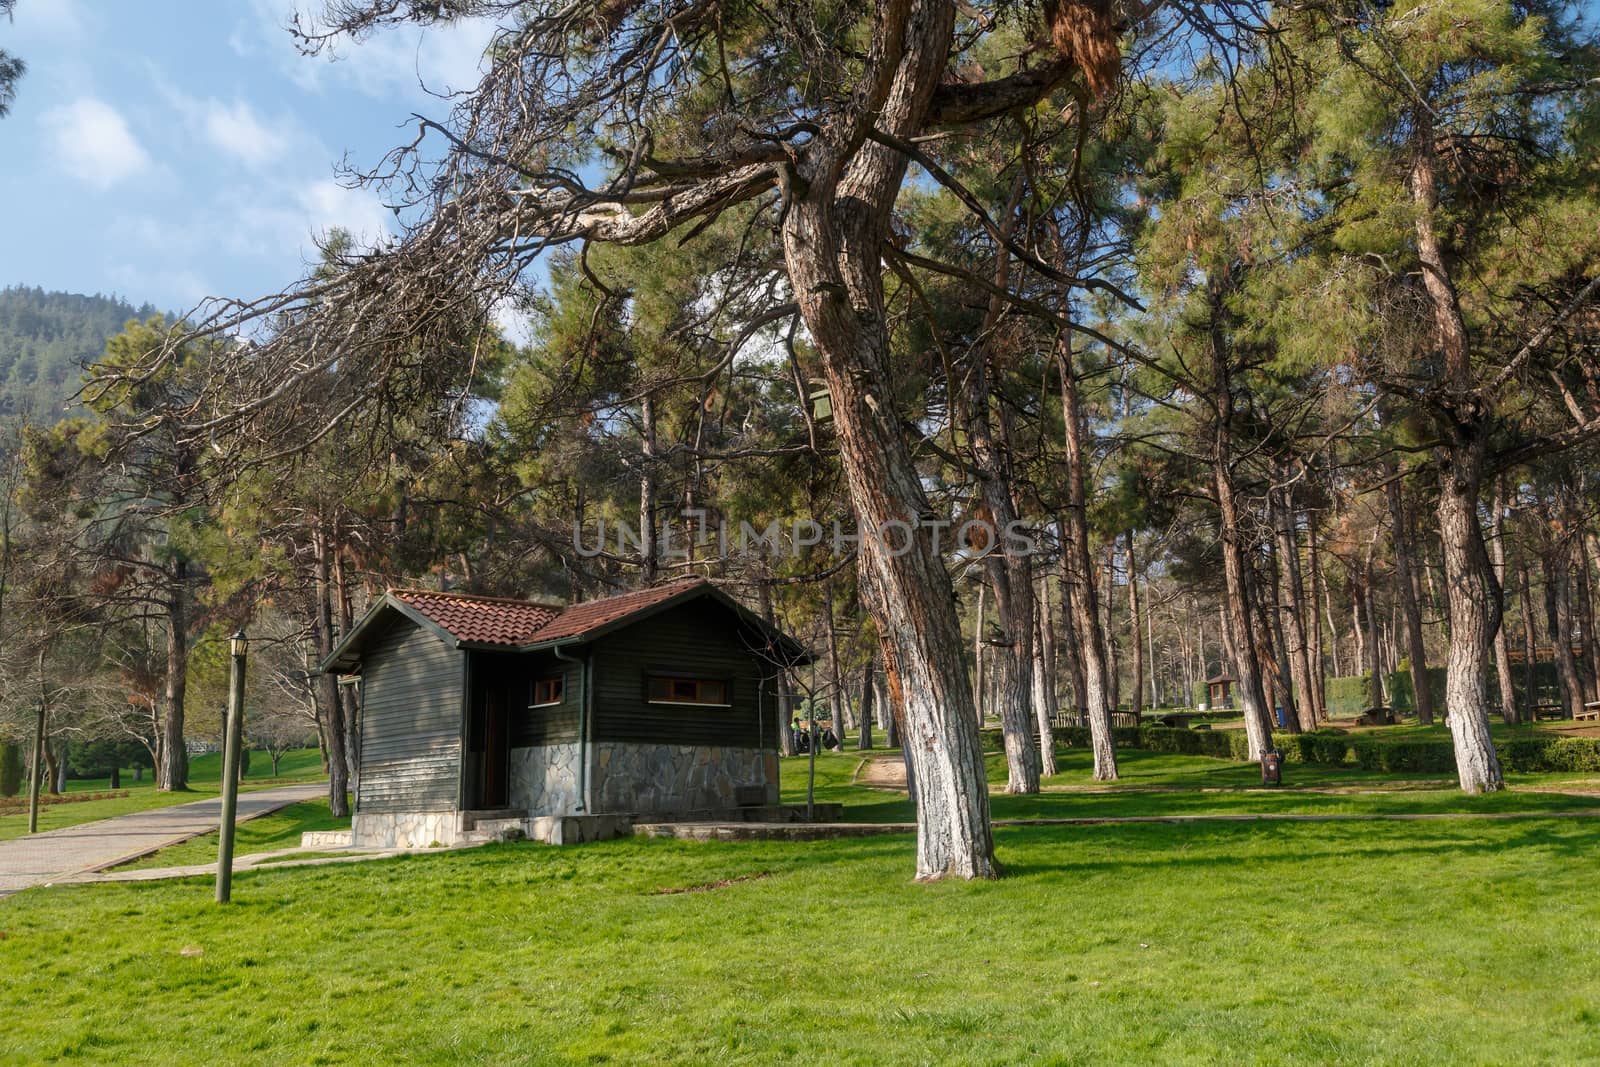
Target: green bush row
<point x="1336" y="748"/>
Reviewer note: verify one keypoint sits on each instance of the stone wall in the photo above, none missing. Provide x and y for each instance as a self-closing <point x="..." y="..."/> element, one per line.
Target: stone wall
<point x="544" y="779"/>
<point x="404" y="829"/>
<point x="658" y="779"/>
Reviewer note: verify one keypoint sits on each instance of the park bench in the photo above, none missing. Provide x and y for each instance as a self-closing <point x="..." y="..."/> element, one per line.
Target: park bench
<point x="1590" y="710"/>
<point x="1546" y="712"/>
<point x="1377" y="717"/>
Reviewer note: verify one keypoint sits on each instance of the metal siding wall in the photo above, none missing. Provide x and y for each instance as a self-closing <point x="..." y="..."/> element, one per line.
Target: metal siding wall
<point x="411" y="723"/>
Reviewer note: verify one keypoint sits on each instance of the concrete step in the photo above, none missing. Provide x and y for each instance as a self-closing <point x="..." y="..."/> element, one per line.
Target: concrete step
<point x="325" y="839"/>
<point x="471" y="820"/>
<point x="501" y="829"/>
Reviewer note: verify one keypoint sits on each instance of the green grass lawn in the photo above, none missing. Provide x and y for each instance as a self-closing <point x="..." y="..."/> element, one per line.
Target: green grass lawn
<point x="268" y="833"/>
<point x="1209" y="786"/>
<point x="1355" y="942"/>
<point x="205" y="774"/>
<point x="1457" y="941"/>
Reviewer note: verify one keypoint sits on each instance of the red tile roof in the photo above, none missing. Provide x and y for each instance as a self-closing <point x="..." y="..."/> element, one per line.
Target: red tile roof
<point x="480" y="619"/>
<point x="579" y="619"/>
<point x="513" y="623"/>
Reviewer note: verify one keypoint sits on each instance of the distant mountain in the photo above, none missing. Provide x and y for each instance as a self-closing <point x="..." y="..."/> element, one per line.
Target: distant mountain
<point x="46" y="338"/>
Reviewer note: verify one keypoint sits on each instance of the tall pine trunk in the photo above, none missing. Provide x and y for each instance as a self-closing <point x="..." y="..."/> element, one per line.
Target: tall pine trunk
<point x="327" y="684"/>
<point x="1235" y="563"/>
<point x="1291" y="593"/>
<point x="1530" y="641"/>
<point x="172" y="771"/>
<point x="1044" y="680"/>
<point x="1405" y="582"/>
<point x="1082" y="606"/>
<point x="1502" y="652"/>
<point x="834" y="231"/>
<point x="1473" y="593"/>
<point x="1134" y="619"/>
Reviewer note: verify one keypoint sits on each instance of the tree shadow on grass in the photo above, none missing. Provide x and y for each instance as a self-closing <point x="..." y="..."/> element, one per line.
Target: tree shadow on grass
<point x="1191" y="846"/>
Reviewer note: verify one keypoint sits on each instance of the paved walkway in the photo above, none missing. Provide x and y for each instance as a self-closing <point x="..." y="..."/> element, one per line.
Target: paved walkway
<point x="43" y="858"/>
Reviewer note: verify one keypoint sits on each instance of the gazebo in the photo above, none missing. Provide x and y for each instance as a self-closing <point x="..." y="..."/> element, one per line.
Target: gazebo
<point x="1219" y="691"/>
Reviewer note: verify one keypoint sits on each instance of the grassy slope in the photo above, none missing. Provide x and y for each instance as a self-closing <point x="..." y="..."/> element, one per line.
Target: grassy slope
<point x="269" y="833"/>
<point x="1252" y="943"/>
<point x="205" y="772"/>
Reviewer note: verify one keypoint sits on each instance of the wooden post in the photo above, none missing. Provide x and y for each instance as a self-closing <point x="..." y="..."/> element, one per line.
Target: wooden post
<point x="34" y="768"/>
<point x="230" y="771"/>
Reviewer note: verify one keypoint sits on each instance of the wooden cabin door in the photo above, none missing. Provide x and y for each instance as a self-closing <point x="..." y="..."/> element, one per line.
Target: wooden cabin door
<point x="496" y="753"/>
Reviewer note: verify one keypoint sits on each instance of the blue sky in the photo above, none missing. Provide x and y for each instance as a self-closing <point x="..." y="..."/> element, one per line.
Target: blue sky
<point x="168" y="150"/>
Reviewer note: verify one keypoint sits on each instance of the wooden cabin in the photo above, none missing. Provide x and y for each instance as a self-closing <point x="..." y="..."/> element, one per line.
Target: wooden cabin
<point x="1219" y="691"/>
<point x="661" y="702"/>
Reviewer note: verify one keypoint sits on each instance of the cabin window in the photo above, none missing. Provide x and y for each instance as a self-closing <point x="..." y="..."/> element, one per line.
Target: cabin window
<point x="546" y="691"/>
<point x="710" y="691"/>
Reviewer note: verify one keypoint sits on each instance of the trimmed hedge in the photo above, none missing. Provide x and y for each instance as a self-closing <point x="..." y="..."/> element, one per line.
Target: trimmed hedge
<point x="1551" y="754"/>
<point x="1335" y="748"/>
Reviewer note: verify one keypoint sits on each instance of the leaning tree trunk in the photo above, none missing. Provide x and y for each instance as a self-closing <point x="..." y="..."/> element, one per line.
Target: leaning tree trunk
<point x="1405" y="583"/>
<point x="1082" y="607"/>
<point x="834" y="230"/>
<point x="173" y="771"/>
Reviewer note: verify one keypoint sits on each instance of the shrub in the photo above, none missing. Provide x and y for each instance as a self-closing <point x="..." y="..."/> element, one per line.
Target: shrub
<point x="1406" y="756"/>
<point x="1319" y="746"/>
<point x="1180" y="741"/>
<point x="11" y="772"/>
<point x="1551" y="754"/>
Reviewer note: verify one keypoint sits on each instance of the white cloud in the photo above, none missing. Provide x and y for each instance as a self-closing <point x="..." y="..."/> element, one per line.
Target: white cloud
<point x="329" y="205"/>
<point x="57" y="18"/>
<point x="237" y="130"/>
<point x="407" y="59"/>
<point x="94" y="142"/>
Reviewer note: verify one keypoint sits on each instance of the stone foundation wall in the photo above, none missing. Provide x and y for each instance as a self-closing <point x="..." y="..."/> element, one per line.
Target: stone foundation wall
<point x="544" y="779"/>
<point x="404" y="829"/>
<point x="658" y="779"/>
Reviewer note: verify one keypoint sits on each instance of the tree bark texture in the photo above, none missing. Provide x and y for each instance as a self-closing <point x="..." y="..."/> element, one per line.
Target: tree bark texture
<point x="172" y="773"/>
<point x="1081" y="606"/>
<point x="833" y="232"/>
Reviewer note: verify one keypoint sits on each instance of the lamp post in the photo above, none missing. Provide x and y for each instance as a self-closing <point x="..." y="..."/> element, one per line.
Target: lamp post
<point x="238" y="647"/>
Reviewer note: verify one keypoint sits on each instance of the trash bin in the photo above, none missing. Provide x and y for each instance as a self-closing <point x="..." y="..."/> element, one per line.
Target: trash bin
<point x="1272" y="767"/>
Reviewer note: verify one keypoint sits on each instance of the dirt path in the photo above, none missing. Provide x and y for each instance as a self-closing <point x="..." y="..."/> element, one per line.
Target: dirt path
<point x="882" y="772"/>
<point x="42" y="858"/>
